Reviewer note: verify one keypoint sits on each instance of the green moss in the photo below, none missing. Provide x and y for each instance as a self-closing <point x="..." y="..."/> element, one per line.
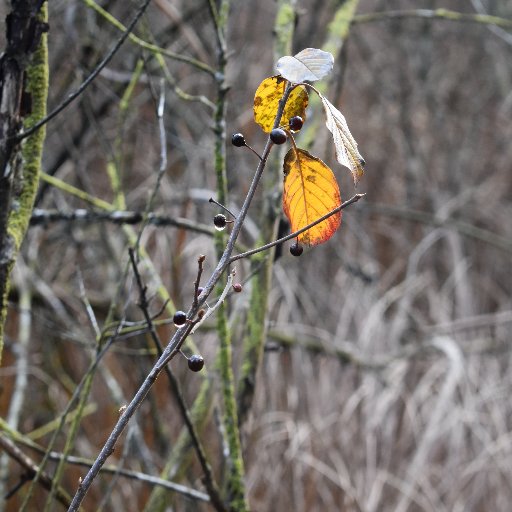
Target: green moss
<point x="235" y="486"/>
<point x="31" y="153"/>
<point x="339" y="27"/>
<point x="337" y="33"/>
<point x="283" y="28"/>
<point x="254" y="340"/>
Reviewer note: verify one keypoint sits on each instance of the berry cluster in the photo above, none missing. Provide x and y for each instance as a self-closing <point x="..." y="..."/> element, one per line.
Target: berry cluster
<point x="277" y="135"/>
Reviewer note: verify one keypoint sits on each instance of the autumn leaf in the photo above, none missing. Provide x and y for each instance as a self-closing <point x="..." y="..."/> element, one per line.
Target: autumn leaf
<point x="266" y="102"/>
<point x="310" y="64"/>
<point x="347" y="153"/>
<point x="310" y="191"/>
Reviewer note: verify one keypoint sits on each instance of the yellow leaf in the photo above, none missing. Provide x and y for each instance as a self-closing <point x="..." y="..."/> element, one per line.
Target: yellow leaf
<point x="347" y="153"/>
<point x="266" y="102"/>
<point x="310" y="191"/>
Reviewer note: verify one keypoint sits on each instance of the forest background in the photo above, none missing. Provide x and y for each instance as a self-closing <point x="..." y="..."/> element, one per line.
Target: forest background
<point x="385" y="379"/>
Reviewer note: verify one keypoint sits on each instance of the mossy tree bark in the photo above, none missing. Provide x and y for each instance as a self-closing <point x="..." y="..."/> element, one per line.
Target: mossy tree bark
<point x="23" y="94"/>
<point x="262" y="263"/>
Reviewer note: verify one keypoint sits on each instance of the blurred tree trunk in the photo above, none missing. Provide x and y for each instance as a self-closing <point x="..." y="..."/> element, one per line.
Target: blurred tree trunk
<point x="23" y="93"/>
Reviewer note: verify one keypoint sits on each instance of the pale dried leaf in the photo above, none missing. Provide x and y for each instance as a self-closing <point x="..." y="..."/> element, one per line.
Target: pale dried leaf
<point x="310" y="64"/>
<point x="347" y="153"/>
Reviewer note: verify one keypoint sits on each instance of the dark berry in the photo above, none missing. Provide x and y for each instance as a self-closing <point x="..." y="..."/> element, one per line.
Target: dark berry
<point x="296" y="249"/>
<point x="362" y="162"/>
<point x="200" y="290"/>
<point x="238" y="140"/>
<point x="219" y="221"/>
<point x="296" y="123"/>
<point x="179" y="318"/>
<point x="196" y="362"/>
<point x="278" y="136"/>
<point x="237" y="287"/>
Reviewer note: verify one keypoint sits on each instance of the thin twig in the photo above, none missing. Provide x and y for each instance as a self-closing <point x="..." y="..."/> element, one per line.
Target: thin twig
<point x="42" y="217"/>
<point x="32" y="469"/>
<point x="225" y="208"/>
<point x="87" y="304"/>
<point x="163" y="158"/>
<point x="20" y="387"/>
<point x="149" y="46"/>
<point x="137" y="475"/>
<point x="200" y="262"/>
<point x="499" y="31"/>
<point x="91" y="77"/>
<point x="441" y="14"/>
<point x="220" y="300"/>
<point x="127" y="473"/>
<point x="265" y="247"/>
<point x="76" y="394"/>
<point x="209" y="481"/>
<point x="217" y="21"/>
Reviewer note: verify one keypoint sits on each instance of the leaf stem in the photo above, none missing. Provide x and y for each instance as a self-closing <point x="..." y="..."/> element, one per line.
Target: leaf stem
<point x="225" y="208"/>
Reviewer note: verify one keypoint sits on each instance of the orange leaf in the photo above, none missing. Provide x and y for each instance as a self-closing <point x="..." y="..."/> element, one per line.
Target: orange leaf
<point x="310" y="191"/>
<point x="266" y="102"/>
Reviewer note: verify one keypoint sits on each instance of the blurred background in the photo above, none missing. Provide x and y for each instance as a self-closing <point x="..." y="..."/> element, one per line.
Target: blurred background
<point x="386" y="380"/>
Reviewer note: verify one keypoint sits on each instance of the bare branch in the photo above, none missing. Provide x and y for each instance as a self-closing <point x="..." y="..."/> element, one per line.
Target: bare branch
<point x="91" y="77"/>
<point x="440" y="14"/>
<point x="265" y="247"/>
<point x="209" y="481"/>
<point x="42" y="217"/>
<point x="32" y="469"/>
<point x="179" y="337"/>
<point x="220" y="300"/>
